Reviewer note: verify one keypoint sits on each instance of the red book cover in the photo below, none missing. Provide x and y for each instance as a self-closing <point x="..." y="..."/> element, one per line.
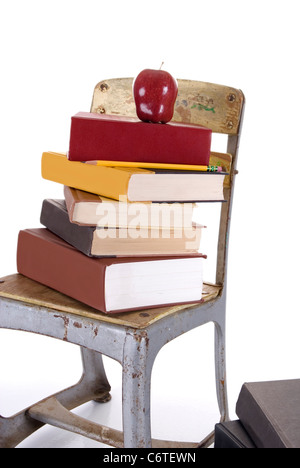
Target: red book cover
<point x="120" y="138"/>
<point x="111" y="285"/>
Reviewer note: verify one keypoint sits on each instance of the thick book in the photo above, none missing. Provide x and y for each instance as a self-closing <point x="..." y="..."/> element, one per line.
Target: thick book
<point x="88" y="209"/>
<point x="107" y="242"/>
<point x="110" y="285"/>
<point x="231" y="434"/>
<point x="270" y="413"/>
<point x="121" y="138"/>
<point x="134" y="184"/>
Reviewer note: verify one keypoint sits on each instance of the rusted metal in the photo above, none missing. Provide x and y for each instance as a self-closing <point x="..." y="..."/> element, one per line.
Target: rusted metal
<point x="135" y="349"/>
<point x="50" y="411"/>
<point x="93" y="385"/>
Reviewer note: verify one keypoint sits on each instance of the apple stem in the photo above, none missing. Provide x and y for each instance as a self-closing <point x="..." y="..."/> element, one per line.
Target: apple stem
<point x="162" y="63"/>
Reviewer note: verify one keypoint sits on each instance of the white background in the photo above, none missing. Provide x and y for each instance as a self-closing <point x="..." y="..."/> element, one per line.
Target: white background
<point x="53" y="53"/>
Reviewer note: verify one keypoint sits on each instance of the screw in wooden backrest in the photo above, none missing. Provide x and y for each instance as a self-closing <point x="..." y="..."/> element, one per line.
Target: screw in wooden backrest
<point x="103" y="87"/>
<point x="231" y="97"/>
<point x="100" y="110"/>
<point x="230" y="124"/>
<point x="144" y="314"/>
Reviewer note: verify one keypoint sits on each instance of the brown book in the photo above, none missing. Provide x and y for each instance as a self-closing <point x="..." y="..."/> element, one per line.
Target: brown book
<point x="89" y="209"/>
<point x="110" y="285"/>
<point x="111" y="242"/>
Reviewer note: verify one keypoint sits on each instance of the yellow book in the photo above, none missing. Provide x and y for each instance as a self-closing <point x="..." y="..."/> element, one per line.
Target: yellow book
<point x="137" y="185"/>
<point x="224" y="160"/>
<point x="109" y="182"/>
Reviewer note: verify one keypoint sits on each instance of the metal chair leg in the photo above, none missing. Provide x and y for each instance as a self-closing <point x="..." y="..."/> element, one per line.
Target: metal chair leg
<point x="136" y="391"/>
<point x="94" y="372"/>
<point x="92" y="385"/>
<point x="220" y="365"/>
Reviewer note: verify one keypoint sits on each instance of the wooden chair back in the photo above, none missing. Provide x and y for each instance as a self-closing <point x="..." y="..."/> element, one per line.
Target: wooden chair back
<point x="217" y="107"/>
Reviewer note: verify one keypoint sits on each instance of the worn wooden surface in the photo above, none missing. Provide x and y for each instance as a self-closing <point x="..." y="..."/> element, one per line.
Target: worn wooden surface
<point x="20" y="288"/>
<point x="214" y="106"/>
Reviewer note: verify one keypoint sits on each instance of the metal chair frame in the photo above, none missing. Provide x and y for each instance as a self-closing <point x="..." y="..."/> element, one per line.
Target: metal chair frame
<point x="134" y="345"/>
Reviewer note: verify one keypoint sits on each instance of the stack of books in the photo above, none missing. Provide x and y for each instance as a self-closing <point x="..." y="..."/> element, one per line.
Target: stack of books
<point x="123" y="236"/>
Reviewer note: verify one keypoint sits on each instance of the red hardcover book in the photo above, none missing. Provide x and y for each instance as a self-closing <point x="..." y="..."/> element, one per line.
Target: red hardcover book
<point x="120" y="138"/>
<point x="110" y="285"/>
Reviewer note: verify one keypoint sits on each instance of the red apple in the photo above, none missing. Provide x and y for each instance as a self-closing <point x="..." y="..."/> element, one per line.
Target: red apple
<point x="155" y="93"/>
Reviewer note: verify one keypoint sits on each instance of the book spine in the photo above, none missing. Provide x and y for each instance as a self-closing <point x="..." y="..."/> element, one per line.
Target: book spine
<point x="61" y="268"/>
<point x="70" y="200"/>
<point x="56" y="219"/>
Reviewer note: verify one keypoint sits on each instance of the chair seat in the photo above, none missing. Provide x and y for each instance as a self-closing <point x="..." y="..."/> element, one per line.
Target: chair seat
<point x="21" y="288"/>
<point x="131" y="338"/>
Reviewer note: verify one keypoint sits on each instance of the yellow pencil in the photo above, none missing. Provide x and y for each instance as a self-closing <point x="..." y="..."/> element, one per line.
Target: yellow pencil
<point x="146" y="165"/>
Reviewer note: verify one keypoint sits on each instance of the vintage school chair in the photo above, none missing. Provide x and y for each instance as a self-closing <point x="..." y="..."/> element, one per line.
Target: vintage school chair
<point x="135" y="338"/>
